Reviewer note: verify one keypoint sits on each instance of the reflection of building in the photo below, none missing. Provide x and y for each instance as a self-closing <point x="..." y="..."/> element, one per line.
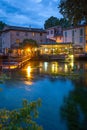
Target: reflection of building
<point x="55" y="68"/>
<point x="77" y="36"/>
<point x="12" y="36"/>
<point x="55" y="33"/>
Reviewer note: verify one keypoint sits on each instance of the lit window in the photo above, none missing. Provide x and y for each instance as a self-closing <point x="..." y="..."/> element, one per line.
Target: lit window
<point x="17" y="41"/>
<point x="33" y="34"/>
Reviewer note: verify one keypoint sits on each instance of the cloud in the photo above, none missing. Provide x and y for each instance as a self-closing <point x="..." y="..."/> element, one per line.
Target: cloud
<point x="55" y="0"/>
<point x="37" y="1"/>
<point x="34" y="12"/>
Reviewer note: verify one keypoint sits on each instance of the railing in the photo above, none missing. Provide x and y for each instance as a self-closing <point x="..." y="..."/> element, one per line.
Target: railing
<point x="15" y="62"/>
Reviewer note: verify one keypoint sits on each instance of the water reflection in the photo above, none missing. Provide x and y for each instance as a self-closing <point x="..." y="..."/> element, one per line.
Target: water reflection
<point x="34" y="70"/>
<point x="74" y="108"/>
<point x="55" y="67"/>
<point x="42" y="79"/>
<point x="29" y="71"/>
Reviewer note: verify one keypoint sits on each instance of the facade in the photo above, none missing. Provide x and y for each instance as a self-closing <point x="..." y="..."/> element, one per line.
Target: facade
<point x="55" y="33"/>
<point x="77" y="36"/>
<point x="12" y="36"/>
<point x="53" y="40"/>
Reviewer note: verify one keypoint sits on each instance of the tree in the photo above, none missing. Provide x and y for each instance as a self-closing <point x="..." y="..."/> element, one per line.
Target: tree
<point x="2" y="24"/>
<point x="64" y="23"/>
<point x="53" y="21"/>
<point x="74" y="10"/>
<point x="29" y="43"/>
<point x="21" y="119"/>
<point x="50" y="22"/>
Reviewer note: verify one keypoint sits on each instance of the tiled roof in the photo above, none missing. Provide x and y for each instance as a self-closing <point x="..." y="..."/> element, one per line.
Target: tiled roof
<point x="7" y="28"/>
<point x="54" y="27"/>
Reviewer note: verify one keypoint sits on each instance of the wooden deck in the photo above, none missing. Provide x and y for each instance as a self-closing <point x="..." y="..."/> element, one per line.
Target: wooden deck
<point x="14" y="62"/>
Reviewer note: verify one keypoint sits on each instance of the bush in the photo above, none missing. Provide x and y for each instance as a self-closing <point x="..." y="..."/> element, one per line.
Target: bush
<point x="21" y="119"/>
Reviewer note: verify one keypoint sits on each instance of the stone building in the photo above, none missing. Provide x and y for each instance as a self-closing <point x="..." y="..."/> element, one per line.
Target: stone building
<point x="55" y="33"/>
<point x="77" y="36"/>
<point x="12" y="36"/>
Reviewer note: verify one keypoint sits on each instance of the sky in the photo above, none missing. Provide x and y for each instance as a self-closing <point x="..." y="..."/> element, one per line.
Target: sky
<point x="28" y="13"/>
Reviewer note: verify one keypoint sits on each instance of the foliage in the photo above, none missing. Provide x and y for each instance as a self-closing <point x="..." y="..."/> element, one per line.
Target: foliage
<point x="21" y="119"/>
<point x="54" y="21"/>
<point x="64" y="23"/>
<point x="3" y="77"/>
<point x="28" y="43"/>
<point x="10" y="51"/>
<point x="50" y="22"/>
<point x="74" y="10"/>
<point x="2" y="24"/>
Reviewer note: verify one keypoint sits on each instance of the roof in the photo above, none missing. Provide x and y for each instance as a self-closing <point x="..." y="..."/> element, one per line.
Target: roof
<point x="28" y="29"/>
<point x="54" y="27"/>
<point x="74" y="27"/>
<point x="55" y="43"/>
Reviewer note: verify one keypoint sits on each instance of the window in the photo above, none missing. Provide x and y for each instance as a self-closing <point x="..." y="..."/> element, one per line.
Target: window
<point x="81" y="40"/>
<point x="72" y="33"/>
<point x="47" y="32"/>
<point x="65" y="34"/>
<point x="26" y="34"/>
<point x="81" y="32"/>
<point x="17" y="33"/>
<point x="40" y="34"/>
<point x="33" y="34"/>
<point x="51" y="31"/>
<point x="17" y="41"/>
<point x="41" y="41"/>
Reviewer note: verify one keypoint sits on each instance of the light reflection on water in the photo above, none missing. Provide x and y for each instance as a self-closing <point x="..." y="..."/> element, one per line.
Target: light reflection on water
<point x="41" y="80"/>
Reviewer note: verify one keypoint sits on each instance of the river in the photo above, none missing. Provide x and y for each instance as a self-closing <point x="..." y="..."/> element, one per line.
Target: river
<point x="62" y="88"/>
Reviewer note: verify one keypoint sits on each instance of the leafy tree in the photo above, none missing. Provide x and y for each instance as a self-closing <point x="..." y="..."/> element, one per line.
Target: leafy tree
<point x="74" y="10"/>
<point x="64" y="23"/>
<point x="29" y="43"/>
<point x="50" y="22"/>
<point x="53" y="21"/>
<point x="2" y="24"/>
<point x="21" y="119"/>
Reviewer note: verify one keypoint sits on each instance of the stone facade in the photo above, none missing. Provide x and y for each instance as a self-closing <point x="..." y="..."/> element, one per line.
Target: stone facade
<point x="77" y="36"/>
<point x="13" y="36"/>
<point x="55" y="33"/>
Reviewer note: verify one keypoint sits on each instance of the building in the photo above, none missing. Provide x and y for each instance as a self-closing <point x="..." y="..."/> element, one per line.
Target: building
<point x="0" y="41"/>
<point x="77" y="36"/>
<point x="55" y="48"/>
<point x="55" y="33"/>
<point x="12" y="36"/>
<point x="55" y="43"/>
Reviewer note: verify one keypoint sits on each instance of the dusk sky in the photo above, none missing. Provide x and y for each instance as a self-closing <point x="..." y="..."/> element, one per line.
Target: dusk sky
<point x="28" y="12"/>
